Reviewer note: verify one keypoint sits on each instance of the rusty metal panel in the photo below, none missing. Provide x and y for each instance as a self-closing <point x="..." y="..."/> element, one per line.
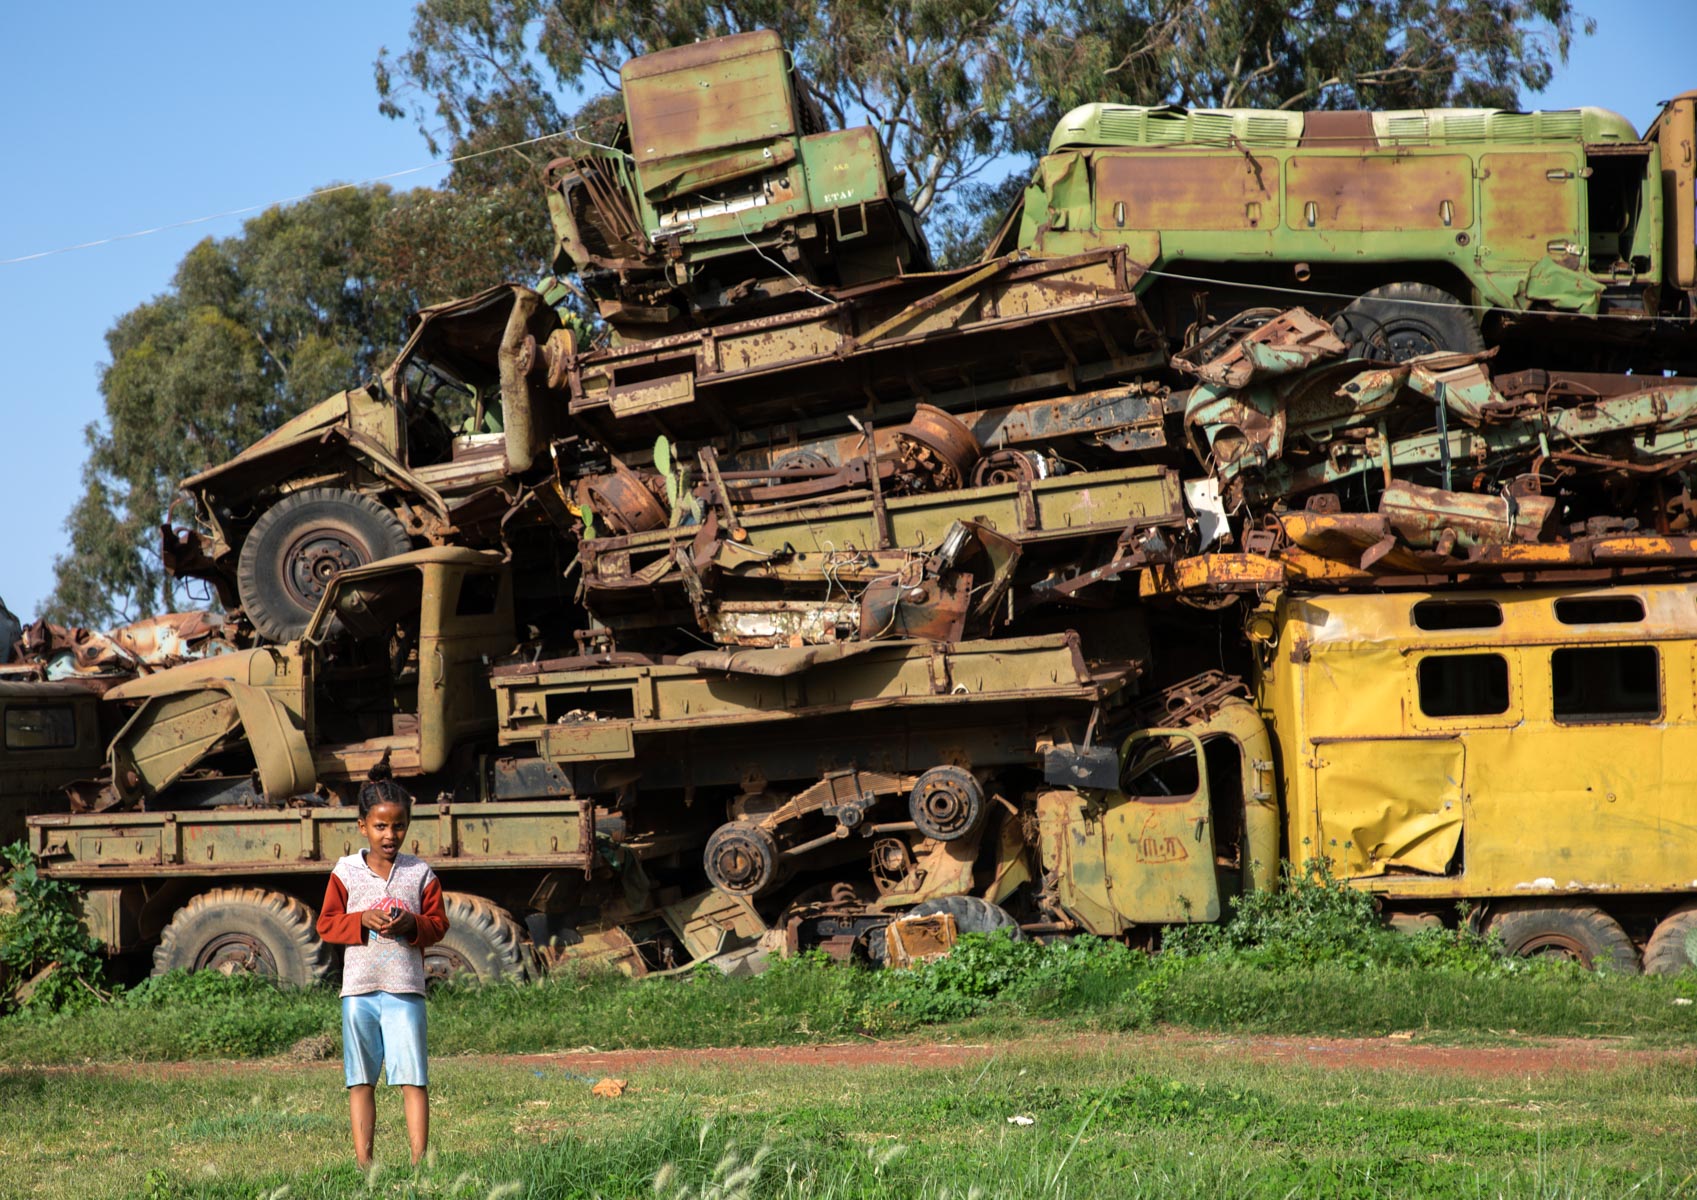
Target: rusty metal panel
<point x="1531" y="205"/>
<point x="712" y="923"/>
<point x="707" y="96"/>
<point x="1200" y="190"/>
<point x="1379" y="192"/>
<point x="912" y="940"/>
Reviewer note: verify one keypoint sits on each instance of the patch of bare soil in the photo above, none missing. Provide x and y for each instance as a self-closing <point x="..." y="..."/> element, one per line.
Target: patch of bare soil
<point x="1394" y="1053"/>
<point x="1353" y="1054"/>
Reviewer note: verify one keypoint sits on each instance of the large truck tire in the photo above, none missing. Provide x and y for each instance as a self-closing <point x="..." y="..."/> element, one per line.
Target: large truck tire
<point x="971" y="915"/>
<point x="246" y="930"/>
<point x="1581" y="933"/>
<point x="484" y="943"/>
<point x="1671" y="947"/>
<point x="1401" y="321"/>
<point x="303" y="542"/>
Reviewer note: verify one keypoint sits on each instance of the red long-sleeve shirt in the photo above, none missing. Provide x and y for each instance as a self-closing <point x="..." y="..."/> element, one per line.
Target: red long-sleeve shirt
<point x="374" y="963"/>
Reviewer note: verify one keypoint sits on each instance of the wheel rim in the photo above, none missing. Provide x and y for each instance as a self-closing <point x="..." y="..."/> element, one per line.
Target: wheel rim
<point x="741" y="861"/>
<point x="316" y="557"/>
<point x="1401" y="340"/>
<point x="237" y="954"/>
<point x="1558" y="946"/>
<point x="442" y="963"/>
<point x="946" y="803"/>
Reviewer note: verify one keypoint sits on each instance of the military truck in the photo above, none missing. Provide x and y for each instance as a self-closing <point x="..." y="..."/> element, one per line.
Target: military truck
<point x="439" y="451"/>
<point x="724" y="190"/>
<point x="52" y="735"/>
<point x="978" y="376"/>
<point x="1564" y="236"/>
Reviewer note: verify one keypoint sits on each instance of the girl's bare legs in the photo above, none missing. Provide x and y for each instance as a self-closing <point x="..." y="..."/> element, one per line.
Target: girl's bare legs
<point x="415" y="1102"/>
<point x="362" y="1109"/>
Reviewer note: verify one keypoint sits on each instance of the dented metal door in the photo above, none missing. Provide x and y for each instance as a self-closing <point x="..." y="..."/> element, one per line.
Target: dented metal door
<point x="1386" y="803"/>
<point x="1133" y="859"/>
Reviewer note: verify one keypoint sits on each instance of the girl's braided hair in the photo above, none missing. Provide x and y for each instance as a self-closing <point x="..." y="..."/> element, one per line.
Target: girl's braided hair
<point x="382" y="791"/>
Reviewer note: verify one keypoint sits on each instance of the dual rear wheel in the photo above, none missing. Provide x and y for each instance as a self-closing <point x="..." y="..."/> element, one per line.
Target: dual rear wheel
<point x="1585" y="934"/>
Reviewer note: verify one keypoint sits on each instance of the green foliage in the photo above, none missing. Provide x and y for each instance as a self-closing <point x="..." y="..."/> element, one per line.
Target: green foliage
<point x="44" y="930"/>
<point x="1311" y="917"/>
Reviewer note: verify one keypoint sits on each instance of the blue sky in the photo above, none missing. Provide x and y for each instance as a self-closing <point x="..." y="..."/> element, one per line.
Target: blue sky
<point x="120" y="117"/>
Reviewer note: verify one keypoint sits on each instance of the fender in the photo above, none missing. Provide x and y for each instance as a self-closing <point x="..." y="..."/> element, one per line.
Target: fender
<point x="169" y="734"/>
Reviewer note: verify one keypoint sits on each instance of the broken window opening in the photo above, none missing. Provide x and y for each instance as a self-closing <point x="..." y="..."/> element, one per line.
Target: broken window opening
<point x="596" y="704"/>
<point x="1591" y="684"/>
<point x="1599" y="610"/>
<point x="478" y="592"/>
<point x="53" y="728"/>
<point x="1436" y="615"/>
<point x="1464" y="685"/>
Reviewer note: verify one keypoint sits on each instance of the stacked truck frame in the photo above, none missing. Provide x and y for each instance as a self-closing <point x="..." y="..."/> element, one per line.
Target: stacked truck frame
<point x="796" y="594"/>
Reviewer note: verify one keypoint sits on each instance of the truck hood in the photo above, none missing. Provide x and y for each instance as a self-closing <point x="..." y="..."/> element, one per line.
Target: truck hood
<point x="299" y="428"/>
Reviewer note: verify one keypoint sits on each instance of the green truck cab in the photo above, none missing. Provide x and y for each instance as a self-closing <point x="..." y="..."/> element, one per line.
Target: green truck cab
<point x="723" y="188"/>
<point x="390" y="670"/>
<point x="434" y="452"/>
<point x="1418" y="230"/>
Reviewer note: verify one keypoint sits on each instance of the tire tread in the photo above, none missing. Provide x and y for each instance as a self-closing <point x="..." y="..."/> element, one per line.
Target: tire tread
<point x="297" y="919"/>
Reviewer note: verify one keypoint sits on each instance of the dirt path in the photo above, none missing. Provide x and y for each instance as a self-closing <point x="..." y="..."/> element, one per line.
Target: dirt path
<point x="1354" y="1054"/>
<point x="1395" y="1053"/>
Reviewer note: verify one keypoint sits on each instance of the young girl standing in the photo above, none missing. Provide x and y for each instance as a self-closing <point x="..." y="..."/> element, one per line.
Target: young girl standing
<point x="385" y="907"/>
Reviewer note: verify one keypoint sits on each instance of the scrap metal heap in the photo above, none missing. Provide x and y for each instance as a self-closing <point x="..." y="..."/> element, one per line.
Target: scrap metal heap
<point x="831" y="579"/>
<point x="1347" y="472"/>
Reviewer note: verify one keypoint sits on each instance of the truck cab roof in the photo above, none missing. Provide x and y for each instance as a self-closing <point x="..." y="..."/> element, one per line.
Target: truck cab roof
<point x="1169" y="125"/>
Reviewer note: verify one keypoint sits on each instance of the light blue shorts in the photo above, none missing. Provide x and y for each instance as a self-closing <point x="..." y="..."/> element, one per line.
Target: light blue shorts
<point x="382" y="1029"/>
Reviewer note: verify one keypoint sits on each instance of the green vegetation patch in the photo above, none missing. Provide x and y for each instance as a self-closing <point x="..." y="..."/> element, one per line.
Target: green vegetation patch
<point x="1308" y="959"/>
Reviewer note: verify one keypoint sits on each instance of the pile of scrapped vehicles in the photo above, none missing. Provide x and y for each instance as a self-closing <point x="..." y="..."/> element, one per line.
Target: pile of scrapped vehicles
<point x="1278" y="487"/>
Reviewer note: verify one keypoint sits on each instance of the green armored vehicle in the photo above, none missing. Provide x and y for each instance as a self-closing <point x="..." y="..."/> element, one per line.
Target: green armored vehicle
<point x="724" y="189"/>
<point x="1419" y="230"/>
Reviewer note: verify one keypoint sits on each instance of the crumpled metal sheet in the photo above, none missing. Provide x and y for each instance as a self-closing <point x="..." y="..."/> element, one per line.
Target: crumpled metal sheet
<point x="1292" y="341"/>
<point x="1389" y="803"/>
<point x="150" y="644"/>
<point x="772" y="662"/>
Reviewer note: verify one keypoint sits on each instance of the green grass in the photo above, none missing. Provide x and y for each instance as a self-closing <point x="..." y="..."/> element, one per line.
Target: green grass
<point x="1128" y="1117"/>
<point x="987" y="989"/>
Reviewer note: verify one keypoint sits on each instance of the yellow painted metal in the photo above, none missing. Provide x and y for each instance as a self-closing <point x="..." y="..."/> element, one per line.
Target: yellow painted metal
<point x="1390" y="802"/>
<point x="1509" y="803"/>
<point x="1125" y="860"/>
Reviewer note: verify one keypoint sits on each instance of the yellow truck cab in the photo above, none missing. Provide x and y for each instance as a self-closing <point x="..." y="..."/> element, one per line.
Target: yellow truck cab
<point x="1531" y="750"/>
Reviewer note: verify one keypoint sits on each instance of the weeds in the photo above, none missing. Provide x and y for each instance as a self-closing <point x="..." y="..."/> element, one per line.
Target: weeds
<point x="1309" y="958"/>
<point x="43" y="945"/>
